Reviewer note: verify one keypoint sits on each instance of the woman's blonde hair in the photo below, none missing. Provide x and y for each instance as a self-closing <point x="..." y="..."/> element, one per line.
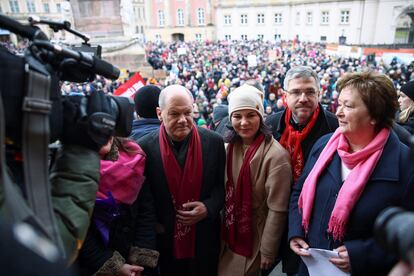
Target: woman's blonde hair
<point x="406" y="113"/>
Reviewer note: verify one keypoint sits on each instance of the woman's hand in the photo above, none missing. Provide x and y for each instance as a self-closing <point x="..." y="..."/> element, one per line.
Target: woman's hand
<point x="299" y="246"/>
<point x="265" y="262"/>
<point x="343" y="261"/>
<point x="130" y="270"/>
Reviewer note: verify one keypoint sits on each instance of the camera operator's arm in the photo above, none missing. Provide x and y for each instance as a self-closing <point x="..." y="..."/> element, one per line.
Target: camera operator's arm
<point x="74" y="181"/>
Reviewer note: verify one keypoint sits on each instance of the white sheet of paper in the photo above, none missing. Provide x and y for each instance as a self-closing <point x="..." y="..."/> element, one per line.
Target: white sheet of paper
<point x="318" y="263"/>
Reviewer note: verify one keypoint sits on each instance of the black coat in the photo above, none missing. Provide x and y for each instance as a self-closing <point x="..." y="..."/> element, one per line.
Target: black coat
<point x="212" y="195"/>
<point x="325" y="123"/>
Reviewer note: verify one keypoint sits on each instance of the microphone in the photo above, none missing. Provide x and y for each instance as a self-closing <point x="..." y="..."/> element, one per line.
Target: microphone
<point x="98" y="66"/>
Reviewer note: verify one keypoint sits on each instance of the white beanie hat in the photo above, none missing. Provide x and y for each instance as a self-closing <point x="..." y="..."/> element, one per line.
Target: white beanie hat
<point x="246" y="97"/>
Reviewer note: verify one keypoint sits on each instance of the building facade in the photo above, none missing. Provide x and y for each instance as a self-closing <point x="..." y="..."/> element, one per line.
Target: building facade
<point x="55" y="10"/>
<point x="170" y="20"/>
<point x="353" y="22"/>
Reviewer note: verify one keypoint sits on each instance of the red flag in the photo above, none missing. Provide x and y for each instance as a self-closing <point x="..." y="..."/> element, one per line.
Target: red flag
<point x="130" y="87"/>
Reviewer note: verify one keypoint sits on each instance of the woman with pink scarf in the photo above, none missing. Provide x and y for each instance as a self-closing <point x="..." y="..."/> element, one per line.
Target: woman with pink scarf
<point x="121" y="237"/>
<point x="350" y="177"/>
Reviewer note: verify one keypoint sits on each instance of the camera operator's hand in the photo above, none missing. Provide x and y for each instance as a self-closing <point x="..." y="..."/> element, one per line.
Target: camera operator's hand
<point x="402" y="269"/>
<point x="88" y="121"/>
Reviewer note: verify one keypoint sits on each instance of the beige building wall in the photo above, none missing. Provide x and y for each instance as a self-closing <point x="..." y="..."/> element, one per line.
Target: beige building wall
<point x="359" y="21"/>
<point x="186" y="20"/>
<point x="56" y="10"/>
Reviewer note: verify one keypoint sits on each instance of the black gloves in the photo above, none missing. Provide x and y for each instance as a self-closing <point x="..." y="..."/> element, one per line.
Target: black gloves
<point x="88" y="121"/>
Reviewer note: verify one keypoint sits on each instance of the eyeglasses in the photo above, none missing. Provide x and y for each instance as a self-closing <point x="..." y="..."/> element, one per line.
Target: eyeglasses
<point x="309" y="93"/>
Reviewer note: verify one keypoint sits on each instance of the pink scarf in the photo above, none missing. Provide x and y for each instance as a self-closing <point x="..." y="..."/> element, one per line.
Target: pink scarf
<point x="123" y="177"/>
<point x="362" y="163"/>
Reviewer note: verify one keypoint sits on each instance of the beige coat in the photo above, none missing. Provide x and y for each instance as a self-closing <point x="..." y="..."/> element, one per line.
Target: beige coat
<point x="271" y="181"/>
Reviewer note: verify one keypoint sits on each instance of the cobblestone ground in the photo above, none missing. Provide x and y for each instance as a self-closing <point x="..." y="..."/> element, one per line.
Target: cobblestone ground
<point x="277" y="271"/>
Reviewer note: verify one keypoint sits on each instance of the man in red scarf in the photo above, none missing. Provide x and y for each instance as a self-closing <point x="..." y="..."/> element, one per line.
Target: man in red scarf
<point x="185" y="170"/>
<point x="298" y="128"/>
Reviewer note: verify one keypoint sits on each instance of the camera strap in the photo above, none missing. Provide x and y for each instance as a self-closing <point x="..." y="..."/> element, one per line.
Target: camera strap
<point x="14" y="206"/>
<point x="35" y="140"/>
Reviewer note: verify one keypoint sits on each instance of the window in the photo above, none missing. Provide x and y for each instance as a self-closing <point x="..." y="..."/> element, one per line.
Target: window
<point x="344" y="17"/>
<point x="180" y="17"/>
<point x="309" y="18"/>
<point x="59" y="7"/>
<point x="277" y="37"/>
<point x="260" y="18"/>
<point x="278" y="18"/>
<point x="243" y="37"/>
<point x="260" y="37"/>
<point x="227" y="20"/>
<point x="243" y="19"/>
<point x="137" y="29"/>
<point x="46" y="7"/>
<point x="161" y="18"/>
<point x="200" y="15"/>
<point x="137" y="13"/>
<point x="31" y="8"/>
<point x="14" y="6"/>
<point x="325" y="17"/>
<point x="227" y="37"/>
<point x="297" y="18"/>
<point x="158" y="37"/>
<point x="198" y="37"/>
<point x="323" y="38"/>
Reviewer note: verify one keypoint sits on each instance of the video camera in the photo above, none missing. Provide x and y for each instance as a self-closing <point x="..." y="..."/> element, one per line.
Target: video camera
<point x="59" y="64"/>
<point x="394" y="231"/>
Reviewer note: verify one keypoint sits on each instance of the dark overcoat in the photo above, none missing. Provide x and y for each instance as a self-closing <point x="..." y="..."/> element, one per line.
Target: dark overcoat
<point x="212" y="195"/>
<point x="391" y="184"/>
<point x="325" y="123"/>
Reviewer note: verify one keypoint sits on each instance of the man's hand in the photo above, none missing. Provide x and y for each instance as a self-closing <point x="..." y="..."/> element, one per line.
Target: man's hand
<point x="343" y="261"/>
<point x="298" y="245"/>
<point x="130" y="270"/>
<point x="193" y="213"/>
<point x="265" y="262"/>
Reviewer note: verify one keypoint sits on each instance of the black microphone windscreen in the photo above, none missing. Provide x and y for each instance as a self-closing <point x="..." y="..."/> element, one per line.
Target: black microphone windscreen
<point x="105" y="69"/>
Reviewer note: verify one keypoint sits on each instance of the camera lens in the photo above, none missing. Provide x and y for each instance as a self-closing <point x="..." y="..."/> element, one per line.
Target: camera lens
<point x="394" y="232"/>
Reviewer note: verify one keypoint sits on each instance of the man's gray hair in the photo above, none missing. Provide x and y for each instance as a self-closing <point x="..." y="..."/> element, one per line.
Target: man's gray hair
<point x="175" y="87"/>
<point x="301" y="72"/>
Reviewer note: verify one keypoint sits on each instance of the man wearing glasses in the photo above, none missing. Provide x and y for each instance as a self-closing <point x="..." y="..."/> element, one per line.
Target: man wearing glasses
<point x="297" y="128"/>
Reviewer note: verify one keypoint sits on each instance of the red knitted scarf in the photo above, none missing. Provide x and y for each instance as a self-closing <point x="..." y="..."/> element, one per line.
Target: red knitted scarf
<point x="237" y="226"/>
<point x="184" y="186"/>
<point x="292" y="139"/>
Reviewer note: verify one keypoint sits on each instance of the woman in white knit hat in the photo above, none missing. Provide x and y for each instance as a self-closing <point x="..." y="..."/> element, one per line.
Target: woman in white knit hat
<point x="258" y="181"/>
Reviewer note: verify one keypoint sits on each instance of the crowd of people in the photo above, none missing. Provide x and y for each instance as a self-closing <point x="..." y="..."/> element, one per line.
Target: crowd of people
<point x="233" y="167"/>
<point x="211" y="70"/>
